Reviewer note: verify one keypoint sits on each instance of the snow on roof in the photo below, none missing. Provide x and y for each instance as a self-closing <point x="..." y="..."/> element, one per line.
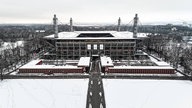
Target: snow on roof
<point x="140" y="52"/>
<point x="128" y="93"/>
<point x="84" y="61"/>
<point x="32" y="65"/>
<point x="117" y="35"/>
<point x="46" y="93"/>
<point x="140" y="67"/>
<point x="49" y="67"/>
<point x="162" y="63"/>
<point x="190" y="42"/>
<point x="106" y="61"/>
<point x="159" y="62"/>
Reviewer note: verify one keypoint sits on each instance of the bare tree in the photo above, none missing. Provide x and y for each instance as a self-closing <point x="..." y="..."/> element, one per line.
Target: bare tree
<point x="175" y="53"/>
<point x="187" y="60"/>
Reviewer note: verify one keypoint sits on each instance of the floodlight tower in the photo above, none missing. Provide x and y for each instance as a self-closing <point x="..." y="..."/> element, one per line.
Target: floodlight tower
<point x="71" y="25"/>
<point x="55" y="24"/>
<point x="119" y="24"/>
<point x="135" y="26"/>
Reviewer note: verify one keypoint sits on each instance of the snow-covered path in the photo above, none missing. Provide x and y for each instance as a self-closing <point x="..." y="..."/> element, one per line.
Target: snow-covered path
<point x="43" y="93"/>
<point x="147" y="93"/>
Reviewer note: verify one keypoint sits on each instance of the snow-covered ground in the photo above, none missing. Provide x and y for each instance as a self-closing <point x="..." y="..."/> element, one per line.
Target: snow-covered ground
<point x="147" y="93"/>
<point x="43" y="93"/>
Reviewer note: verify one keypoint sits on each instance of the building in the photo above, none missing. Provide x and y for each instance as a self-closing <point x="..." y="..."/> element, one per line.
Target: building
<point x="75" y="52"/>
<point x="75" y="44"/>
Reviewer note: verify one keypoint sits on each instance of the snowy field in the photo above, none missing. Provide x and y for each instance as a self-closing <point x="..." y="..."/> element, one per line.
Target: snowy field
<point x="43" y="93"/>
<point x="147" y="93"/>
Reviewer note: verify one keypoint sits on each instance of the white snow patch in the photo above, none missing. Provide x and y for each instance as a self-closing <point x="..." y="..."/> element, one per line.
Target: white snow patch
<point x="106" y="61"/>
<point x="147" y="93"/>
<point x="43" y="93"/>
<point x="11" y="45"/>
<point x="32" y="65"/>
<point x="84" y="61"/>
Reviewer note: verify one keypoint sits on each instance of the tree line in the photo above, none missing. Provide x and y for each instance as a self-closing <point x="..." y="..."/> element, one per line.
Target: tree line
<point x="172" y="49"/>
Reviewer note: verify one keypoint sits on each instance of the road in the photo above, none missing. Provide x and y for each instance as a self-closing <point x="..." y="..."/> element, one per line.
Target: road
<point x="95" y="94"/>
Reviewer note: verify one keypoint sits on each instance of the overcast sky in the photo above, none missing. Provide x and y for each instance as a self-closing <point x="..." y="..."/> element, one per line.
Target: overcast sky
<point x="94" y="11"/>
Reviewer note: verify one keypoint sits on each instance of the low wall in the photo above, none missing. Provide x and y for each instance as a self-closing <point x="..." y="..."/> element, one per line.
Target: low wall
<point x="51" y="71"/>
<point x="141" y="71"/>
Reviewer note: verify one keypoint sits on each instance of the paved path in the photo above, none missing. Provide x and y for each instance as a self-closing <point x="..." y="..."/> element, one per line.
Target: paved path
<point x="95" y="94"/>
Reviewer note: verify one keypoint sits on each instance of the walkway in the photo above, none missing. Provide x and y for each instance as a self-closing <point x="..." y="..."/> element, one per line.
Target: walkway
<point x="95" y="94"/>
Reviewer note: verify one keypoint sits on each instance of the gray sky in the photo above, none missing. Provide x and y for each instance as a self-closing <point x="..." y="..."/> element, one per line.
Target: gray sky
<point x="94" y="11"/>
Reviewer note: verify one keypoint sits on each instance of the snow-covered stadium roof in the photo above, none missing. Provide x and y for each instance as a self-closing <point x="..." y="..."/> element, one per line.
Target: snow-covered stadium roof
<point x="115" y="35"/>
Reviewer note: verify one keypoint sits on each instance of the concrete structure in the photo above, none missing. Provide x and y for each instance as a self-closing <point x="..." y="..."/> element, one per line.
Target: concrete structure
<point x="39" y="66"/>
<point x="76" y="44"/>
<point x="73" y="45"/>
<point x="151" y="66"/>
<point x="118" y="52"/>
